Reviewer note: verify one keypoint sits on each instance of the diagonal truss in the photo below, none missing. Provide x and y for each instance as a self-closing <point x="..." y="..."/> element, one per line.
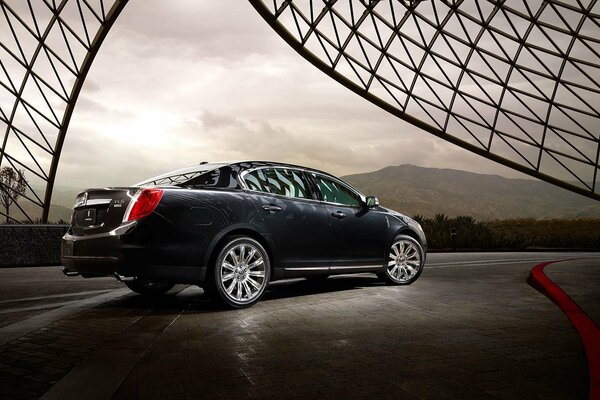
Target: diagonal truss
<point x="517" y="82"/>
<point x="46" y="50"/>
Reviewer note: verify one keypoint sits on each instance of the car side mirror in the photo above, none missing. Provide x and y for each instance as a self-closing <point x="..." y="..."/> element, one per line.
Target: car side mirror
<point x="372" y="201"/>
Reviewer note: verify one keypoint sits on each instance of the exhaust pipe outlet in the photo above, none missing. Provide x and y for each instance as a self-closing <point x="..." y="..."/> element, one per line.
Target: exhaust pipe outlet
<point x="125" y="279"/>
<point x="69" y="273"/>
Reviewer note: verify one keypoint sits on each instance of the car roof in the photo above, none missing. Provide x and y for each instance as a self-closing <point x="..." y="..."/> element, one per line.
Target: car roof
<point x="238" y="164"/>
<point x="244" y="164"/>
<point x="250" y="164"/>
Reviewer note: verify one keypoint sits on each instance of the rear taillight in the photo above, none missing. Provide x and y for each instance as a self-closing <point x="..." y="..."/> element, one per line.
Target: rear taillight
<point x="143" y="203"/>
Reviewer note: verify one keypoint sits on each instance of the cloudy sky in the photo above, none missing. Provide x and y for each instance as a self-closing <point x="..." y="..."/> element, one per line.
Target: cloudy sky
<point x="208" y="81"/>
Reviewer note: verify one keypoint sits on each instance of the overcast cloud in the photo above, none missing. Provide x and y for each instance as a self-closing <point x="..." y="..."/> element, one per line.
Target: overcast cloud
<point x="206" y="81"/>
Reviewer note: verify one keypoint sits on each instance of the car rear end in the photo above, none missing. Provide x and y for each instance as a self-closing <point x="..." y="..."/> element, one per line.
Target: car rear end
<point x="106" y="237"/>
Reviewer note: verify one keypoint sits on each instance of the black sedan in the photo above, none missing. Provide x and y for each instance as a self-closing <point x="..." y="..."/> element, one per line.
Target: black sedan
<point x="234" y="227"/>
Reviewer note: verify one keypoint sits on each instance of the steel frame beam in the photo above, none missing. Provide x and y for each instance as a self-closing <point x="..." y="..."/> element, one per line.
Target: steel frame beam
<point x="424" y="27"/>
<point x="79" y="28"/>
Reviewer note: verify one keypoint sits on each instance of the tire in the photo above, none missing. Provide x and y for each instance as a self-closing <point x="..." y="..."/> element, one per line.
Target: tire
<point x="148" y="288"/>
<point x="404" y="262"/>
<point x="241" y="272"/>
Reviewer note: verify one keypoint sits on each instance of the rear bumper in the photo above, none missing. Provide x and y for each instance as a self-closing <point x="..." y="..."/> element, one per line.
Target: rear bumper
<point x="123" y="252"/>
<point x="102" y="266"/>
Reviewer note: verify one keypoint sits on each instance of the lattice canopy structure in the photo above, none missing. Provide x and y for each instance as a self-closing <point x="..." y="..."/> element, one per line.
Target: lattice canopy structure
<point x="514" y="81"/>
<point x="46" y="50"/>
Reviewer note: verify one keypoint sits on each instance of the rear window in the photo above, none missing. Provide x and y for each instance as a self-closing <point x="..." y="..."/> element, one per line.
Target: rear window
<point x="189" y="179"/>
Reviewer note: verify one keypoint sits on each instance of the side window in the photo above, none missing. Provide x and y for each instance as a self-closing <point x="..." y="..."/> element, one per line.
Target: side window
<point x="286" y="182"/>
<point x="334" y="192"/>
<point x="256" y="180"/>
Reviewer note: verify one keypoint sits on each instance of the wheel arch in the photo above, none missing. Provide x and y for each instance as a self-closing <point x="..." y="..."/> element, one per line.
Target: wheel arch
<point x="243" y="230"/>
<point x="409" y="232"/>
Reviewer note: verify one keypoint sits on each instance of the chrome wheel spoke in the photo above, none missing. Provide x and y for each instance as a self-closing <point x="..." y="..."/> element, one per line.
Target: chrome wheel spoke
<point x="239" y="291"/>
<point x="258" y="274"/>
<point x="242" y="254"/>
<point x="231" y="287"/>
<point x="228" y="266"/>
<point x="256" y="263"/>
<point x="247" y="289"/>
<point x="234" y="258"/>
<point x="393" y="262"/>
<point x="250" y="255"/>
<point x="255" y="284"/>
<point x="228" y="277"/>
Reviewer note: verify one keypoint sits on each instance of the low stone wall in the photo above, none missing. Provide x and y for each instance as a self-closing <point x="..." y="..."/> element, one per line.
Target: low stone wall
<point x="25" y="245"/>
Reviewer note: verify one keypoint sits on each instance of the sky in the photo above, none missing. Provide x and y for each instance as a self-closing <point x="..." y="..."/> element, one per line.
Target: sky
<point x="197" y="81"/>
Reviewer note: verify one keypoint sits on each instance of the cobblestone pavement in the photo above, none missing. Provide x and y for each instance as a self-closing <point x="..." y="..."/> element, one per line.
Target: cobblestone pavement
<point x="469" y="328"/>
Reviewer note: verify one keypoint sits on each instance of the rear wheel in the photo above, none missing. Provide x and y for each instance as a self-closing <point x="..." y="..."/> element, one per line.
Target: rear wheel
<point x="405" y="261"/>
<point x="241" y="272"/>
<point x="148" y="288"/>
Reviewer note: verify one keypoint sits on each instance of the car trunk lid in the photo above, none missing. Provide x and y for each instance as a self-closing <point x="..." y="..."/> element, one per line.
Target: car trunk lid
<point x="100" y="210"/>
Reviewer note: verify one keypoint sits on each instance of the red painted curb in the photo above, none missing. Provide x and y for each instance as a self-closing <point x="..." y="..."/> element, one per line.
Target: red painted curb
<point x="586" y="328"/>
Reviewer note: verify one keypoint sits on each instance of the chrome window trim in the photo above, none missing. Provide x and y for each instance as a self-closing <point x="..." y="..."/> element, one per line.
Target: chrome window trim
<point x="305" y="170"/>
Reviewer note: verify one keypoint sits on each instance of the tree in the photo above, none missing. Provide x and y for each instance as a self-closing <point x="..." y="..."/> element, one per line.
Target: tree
<point x="12" y="186"/>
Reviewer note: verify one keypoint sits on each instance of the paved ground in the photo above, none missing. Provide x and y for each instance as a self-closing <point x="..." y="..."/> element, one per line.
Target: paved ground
<point x="469" y="328"/>
<point x="581" y="286"/>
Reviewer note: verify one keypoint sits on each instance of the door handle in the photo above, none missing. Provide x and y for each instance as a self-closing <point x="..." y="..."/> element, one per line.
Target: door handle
<point x="338" y="214"/>
<point x="271" y="208"/>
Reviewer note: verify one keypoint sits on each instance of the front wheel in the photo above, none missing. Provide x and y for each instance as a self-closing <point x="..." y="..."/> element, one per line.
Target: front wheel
<point x="148" y="288"/>
<point x="242" y="272"/>
<point x="405" y="261"/>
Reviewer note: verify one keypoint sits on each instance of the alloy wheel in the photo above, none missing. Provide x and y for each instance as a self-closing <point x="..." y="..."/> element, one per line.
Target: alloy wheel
<point x="404" y="261"/>
<point x="243" y="273"/>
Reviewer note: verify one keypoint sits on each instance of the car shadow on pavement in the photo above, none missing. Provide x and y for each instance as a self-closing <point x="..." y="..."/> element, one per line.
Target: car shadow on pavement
<point x="305" y="287"/>
<point x="193" y="298"/>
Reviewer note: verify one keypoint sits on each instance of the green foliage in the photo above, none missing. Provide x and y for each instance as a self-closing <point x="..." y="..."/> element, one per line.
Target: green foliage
<point x="512" y="234"/>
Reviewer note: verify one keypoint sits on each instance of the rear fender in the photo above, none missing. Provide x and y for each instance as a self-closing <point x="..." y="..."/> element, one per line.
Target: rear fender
<point x="231" y="230"/>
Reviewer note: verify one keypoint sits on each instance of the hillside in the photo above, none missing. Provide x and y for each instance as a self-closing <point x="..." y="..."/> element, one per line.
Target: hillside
<point x="428" y="191"/>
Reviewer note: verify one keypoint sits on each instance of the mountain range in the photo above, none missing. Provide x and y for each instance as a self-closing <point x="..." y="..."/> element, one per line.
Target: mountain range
<point x="415" y="190"/>
<point x="423" y="191"/>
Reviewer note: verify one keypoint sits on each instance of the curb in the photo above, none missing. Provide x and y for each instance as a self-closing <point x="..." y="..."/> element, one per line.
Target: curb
<point x="583" y="324"/>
